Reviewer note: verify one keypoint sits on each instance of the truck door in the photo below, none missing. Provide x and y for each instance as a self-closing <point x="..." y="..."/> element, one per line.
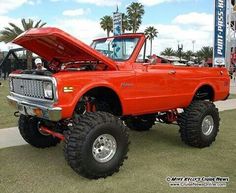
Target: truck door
<point x="154" y="87"/>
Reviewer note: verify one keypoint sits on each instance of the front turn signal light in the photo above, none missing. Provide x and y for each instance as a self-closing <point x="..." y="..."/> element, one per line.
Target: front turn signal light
<point x="68" y="89"/>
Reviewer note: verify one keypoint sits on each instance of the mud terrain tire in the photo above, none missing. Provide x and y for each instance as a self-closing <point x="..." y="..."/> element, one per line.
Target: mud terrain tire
<point x="28" y="127"/>
<point x="199" y="124"/>
<point x="97" y="145"/>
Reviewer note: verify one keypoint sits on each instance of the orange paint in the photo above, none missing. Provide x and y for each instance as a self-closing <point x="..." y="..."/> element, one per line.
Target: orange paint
<point x="141" y="88"/>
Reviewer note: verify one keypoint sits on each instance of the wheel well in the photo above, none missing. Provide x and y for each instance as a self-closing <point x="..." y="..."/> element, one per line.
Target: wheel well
<point x="205" y="92"/>
<point x="107" y="95"/>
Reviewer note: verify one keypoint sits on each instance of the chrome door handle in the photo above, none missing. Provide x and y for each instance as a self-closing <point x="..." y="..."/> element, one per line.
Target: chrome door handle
<point x="172" y="72"/>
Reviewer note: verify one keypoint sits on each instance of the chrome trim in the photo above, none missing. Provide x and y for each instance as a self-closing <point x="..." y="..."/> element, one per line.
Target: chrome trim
<point x="31" y="98"/>
<point x="31" y="76"/>
<point x="53" y="113"/>
<point x="207" y="125"/>
<point x="37" y="77"/>
<point x="104" y="148"/>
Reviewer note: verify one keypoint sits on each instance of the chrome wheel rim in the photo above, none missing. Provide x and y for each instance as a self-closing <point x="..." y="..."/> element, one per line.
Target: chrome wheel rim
<point x="104" y="148"/>
<point x="207" y="125"/>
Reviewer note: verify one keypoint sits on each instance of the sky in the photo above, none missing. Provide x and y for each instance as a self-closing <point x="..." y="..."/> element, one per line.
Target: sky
<point x="177" y="21"/>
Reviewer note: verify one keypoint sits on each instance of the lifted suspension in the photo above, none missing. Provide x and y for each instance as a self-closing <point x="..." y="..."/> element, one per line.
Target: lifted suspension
<point x="53" y="133"/>
<point x="168" y="117"/>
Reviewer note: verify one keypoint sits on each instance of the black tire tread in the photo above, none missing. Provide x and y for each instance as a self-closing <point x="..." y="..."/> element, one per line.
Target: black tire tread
<point x="74" y="140"/>
<point x="189" y="122"/>
<point x="31" y="135"/>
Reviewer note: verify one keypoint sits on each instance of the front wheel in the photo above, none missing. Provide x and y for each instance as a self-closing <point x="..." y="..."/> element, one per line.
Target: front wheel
<point x="29" y="130"/>
<point x="199" y="124"/>
<point x="97" y="145"/>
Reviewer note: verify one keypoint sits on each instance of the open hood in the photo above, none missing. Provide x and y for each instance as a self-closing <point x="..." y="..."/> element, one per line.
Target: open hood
<point x="52" y="43"/>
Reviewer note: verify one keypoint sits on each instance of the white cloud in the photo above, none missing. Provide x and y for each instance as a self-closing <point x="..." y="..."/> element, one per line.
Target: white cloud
<point x="76" y="12"/>
<point x="9" y="5"/>
<point x="157" y="2"/>
<point x="8" y="46"/>
<point x="194" y="18"/>
<point x="184" y="29"/>
<point x="4" y="20"/>
<point x="95" y="2"/>
<point x="84" y="29"/>
<point x="101" y="2"/>
<point x="34" y="2"/>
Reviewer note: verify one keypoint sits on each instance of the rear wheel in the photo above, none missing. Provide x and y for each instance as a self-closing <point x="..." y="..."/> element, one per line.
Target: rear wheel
<point x="29" y="130"/>
<point x="142" y="123"/>
<point x="97" y="145"/>
<point x="199" y="124"/>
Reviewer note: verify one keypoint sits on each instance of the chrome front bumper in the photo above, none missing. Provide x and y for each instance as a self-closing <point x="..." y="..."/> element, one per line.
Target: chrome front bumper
<point x="26" y="108"/>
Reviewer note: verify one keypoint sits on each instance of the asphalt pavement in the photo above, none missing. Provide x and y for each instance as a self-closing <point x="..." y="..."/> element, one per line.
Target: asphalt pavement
<point x="233" y="87"/>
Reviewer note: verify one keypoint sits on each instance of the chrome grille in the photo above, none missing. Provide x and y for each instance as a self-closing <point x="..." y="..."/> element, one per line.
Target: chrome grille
<point x="28" y="87"/>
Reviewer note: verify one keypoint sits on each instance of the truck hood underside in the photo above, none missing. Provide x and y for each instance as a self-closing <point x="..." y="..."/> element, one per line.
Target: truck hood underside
<point x="52" y="43"/>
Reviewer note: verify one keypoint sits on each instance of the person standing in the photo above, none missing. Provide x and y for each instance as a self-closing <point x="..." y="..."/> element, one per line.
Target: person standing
<point x="39" y="64"/>
<point x="5" y="68"/>
<point x="234" y="75"/>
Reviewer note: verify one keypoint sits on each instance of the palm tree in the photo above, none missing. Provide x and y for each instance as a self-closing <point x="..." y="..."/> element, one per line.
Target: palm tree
<point x="125" y="23"/>
<point x="151" y="32"/>
<point x="168" y="52"/>
<point x="199" y="56"/>
<point x="179" y="53"/>
<point x="207" y="52"/>
<point x="135" y="13"/>
<point x="188" y="55"/>
<point x="107" y="24"/>
<point x="11" y="32"/>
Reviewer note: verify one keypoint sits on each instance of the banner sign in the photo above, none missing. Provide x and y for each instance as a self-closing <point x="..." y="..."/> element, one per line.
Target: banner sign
<point x="117" y="23"/>
<point x="220" y="32"/>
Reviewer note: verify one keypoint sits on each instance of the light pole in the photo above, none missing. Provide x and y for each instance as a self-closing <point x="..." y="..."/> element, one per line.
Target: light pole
<point x="193" y="42"/>
<point x="180" y="48"/>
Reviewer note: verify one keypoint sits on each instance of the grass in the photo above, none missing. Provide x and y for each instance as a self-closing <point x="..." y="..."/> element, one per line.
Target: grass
<point x="7" y="118"/>
<point x="232" y="96"/>
<point x="153" y="156"/>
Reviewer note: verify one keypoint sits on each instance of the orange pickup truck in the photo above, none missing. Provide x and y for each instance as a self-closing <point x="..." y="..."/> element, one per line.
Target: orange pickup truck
<point x="90" y="95"/>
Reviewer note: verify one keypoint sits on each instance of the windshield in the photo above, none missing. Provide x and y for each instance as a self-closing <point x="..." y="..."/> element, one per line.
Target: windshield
<point x="116" y="48"/>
